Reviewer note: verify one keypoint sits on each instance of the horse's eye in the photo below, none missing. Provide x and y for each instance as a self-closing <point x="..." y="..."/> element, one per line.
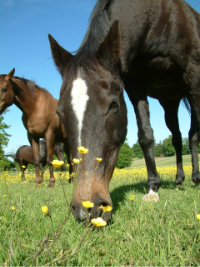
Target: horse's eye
<point x="114" y="105"/>
<point x="3" y="89"/>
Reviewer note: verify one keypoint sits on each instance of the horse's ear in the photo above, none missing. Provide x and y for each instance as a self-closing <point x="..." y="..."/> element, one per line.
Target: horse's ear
<point x="110" y="48"/>
<point x="10" y="74"/>
<point x="60" y="55"/>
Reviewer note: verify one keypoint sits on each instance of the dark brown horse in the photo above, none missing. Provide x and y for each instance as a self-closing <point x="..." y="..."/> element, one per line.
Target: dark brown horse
<point x="24" y="155"/>
<point x="39" y="116"/>
<point x="151" y="48"/>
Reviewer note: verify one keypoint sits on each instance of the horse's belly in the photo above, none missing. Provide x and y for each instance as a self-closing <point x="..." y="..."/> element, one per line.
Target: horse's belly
<point x="165" y="92"/>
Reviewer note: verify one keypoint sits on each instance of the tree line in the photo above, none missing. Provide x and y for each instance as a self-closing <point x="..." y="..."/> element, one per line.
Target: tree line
<point x="126" y="154"/>
<point x="162" y="149"/>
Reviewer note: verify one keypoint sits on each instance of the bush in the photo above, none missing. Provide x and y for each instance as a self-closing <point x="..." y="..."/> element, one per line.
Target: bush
<point x="125" y="156"/>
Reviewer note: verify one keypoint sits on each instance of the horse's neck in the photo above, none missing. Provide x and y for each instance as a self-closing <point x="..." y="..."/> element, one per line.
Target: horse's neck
<point x="24" y="100"/>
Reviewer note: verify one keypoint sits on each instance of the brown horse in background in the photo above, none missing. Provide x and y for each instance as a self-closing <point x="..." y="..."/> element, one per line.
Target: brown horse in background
<point x="39" y="116"/>
<point x="24" y="155"/>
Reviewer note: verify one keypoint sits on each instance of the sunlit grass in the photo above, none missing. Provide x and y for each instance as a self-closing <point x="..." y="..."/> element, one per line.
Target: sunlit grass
<point x="140" y="234"/>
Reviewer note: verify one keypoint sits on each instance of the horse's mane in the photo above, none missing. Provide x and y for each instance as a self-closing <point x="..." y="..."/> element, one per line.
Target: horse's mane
<point x="98" y="28"/>
<point x="31" y="85"/>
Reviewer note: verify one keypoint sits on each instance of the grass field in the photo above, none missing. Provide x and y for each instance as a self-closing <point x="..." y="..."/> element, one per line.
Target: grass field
<point x="140" y="234"/>
<point x="162" y="161"/>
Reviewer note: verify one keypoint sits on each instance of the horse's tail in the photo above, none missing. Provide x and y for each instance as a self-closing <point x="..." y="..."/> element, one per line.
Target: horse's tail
<point x="186" y="103"/>
<point x="12" y="155"/>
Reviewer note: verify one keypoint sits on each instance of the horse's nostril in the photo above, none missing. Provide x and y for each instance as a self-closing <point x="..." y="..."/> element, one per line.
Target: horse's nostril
<point x="73" y="207"/>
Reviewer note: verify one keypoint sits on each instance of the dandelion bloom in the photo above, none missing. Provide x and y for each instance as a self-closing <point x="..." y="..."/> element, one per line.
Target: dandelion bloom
<point x="23" y="166"/>
<point x="4" y="195"/>
<point x="98" y="222"/>
<point x="87" y="204"/>
<point x="83" y="150"/>
<point x="99" y="159"/>
<point x="67" y="165"/>
<point x="198" y="217"/>
<point x="177" y="189"/>
<point x="131" y="197"/>
<point x="76" y="161"/>
<point x="57" y="163"/>
<point x="105" y="208"/>
<point x="45" y="209"/>
<point x="12" y="208"/>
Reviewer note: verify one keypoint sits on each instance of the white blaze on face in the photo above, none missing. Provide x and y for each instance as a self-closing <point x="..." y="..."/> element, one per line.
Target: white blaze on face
<point x="79" y="103"/>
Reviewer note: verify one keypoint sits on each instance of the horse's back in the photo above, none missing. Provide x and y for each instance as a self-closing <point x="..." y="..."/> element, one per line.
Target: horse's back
<point x="165" y="27"/>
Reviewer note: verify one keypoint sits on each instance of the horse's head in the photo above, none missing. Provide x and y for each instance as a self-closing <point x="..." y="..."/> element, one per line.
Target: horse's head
<point x="93" y="111"/>
<point x="6" y="91"/>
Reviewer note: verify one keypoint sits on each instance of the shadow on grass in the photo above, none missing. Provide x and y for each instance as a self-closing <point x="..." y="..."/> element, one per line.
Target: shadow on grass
<point x="119" y="194"/>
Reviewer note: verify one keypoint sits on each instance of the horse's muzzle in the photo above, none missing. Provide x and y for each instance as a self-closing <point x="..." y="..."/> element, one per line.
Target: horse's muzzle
<point x="87" y="214"/>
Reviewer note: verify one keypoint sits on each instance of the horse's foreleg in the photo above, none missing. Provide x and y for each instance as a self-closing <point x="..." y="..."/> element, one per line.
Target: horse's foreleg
<point x="146" y="141"/>
<point x="50" y="151"/>
<point x="193" y="143"/>
<point x="35" y="148"/>
<point x="171" y="119"/>
<point x="69" y="158"/>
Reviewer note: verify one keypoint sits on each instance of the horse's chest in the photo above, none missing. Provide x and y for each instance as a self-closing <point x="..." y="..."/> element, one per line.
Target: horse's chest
<point x="35" y="126"/>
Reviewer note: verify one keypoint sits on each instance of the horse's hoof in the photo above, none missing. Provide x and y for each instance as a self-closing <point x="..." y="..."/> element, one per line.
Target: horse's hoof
<point x="51" y="185"/>
<point x="151" y="196"/>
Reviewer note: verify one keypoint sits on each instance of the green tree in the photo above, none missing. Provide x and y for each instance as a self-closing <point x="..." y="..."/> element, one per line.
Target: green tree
<point x="4" y="138"/>
<point x="125" y="156"/>
<point x="137" y="151"/>
<point x="159" y="149"/>
<point x="168" y="147"/>
<point x="185" y="146"/>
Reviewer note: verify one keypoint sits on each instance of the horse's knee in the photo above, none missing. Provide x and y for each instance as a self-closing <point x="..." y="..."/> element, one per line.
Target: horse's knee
<point x="146" y="139"/>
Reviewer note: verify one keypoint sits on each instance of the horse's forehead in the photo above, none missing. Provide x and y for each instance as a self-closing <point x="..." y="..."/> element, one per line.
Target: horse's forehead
<point x="79" y="99"/>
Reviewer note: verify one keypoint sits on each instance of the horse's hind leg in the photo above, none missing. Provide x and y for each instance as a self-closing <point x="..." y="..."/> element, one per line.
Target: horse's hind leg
<point x="194" y="99"/>
<point x="146" y="141"/>
<point x="193" y="143"/>
<point x="171" y="119"/>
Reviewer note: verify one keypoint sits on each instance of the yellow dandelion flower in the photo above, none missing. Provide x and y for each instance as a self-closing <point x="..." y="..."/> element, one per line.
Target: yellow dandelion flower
<point x="99" y="159"/>
<point x="4" y="195"/>
<point x="177" y="189"/>
<point x="23" y="166"/>
<point x="45" y="209"/>
<point x="57" y="163"/>
<point x="131" y="197"/>
<point x="81" y="159"/>
<point x="98" y="222"/>
<point x="76" y="161"/>
<point x="67" y="165"/>
<point x="87" y="204"/>
<point x="198" y="217"/>
<point x="12" y="208"/>
<point x="83" y="150"/>
<point x="105" y="208"/>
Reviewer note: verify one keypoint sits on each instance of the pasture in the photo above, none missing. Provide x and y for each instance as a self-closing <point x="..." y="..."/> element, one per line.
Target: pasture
<point x="140" y="234"/>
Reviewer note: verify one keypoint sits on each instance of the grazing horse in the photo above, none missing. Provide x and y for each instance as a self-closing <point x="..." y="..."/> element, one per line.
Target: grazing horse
<point x="24" y="155"/>
<point x="151" y="48"/>
<point x="39" y="116"/>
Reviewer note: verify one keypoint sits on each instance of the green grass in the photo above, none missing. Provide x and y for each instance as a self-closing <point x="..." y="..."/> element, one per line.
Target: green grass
<point x="141" y="234"/>
<point x="162" y="161"/>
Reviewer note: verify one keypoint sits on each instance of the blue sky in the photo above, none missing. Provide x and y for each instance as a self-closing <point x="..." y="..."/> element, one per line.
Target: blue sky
<point x="24" y="28"/>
